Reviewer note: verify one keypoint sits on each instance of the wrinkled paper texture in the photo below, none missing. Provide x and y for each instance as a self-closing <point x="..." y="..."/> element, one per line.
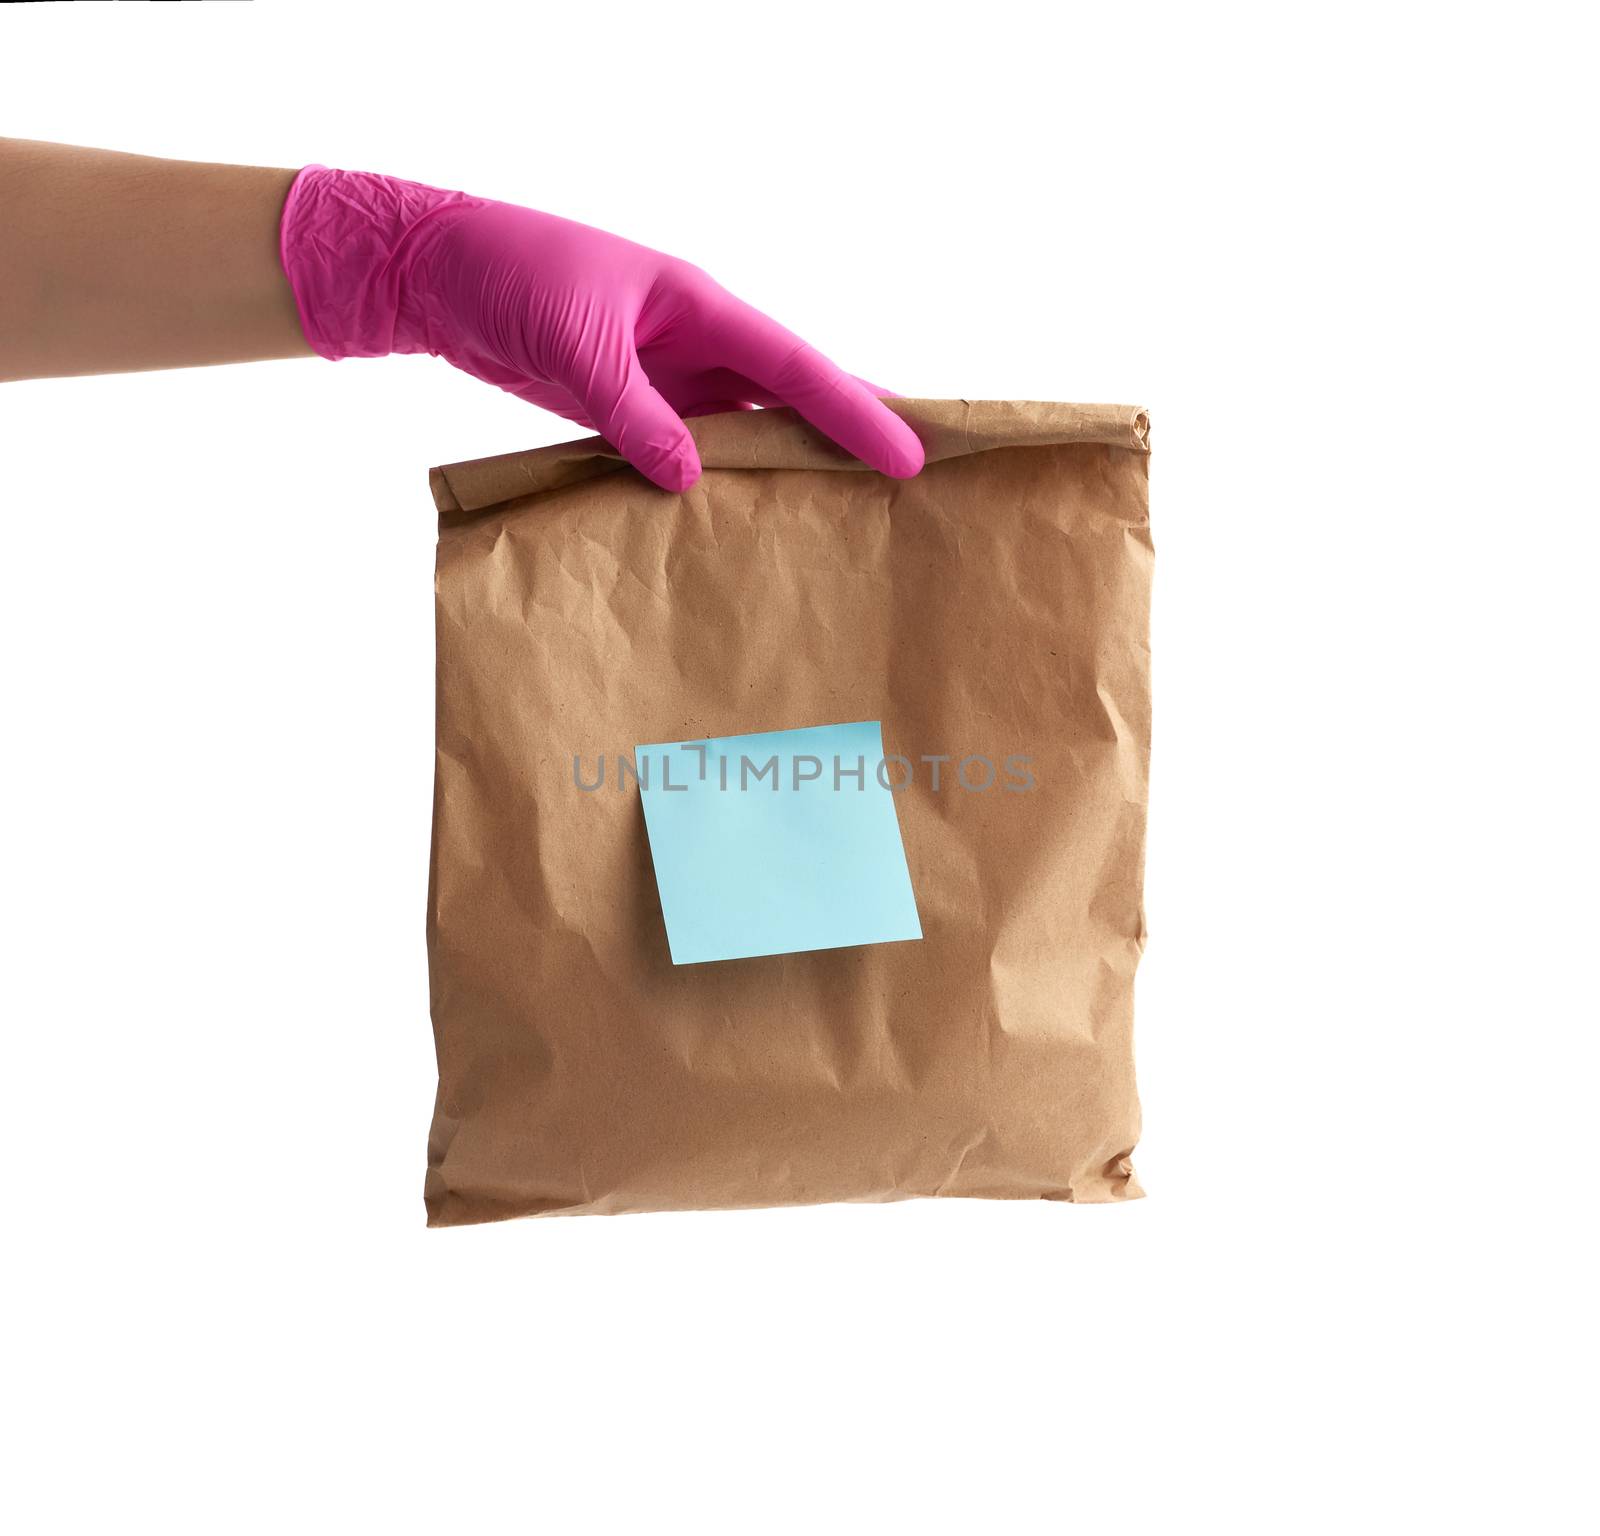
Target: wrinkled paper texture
<point x="995" y="606"/>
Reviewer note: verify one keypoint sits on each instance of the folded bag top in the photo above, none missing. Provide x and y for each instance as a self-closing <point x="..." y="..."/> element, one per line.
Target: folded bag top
<point x="992" y="613"/>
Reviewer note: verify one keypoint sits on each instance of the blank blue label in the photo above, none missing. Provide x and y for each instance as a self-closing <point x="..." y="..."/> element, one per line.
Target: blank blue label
<point x="777" y="842"/>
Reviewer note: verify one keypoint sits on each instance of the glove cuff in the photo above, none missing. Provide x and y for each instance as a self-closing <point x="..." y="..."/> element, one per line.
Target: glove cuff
<point x="352" y="245"/>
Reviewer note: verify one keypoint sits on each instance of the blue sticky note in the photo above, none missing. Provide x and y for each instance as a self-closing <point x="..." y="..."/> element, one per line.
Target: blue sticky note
<point x="776" y="842"/>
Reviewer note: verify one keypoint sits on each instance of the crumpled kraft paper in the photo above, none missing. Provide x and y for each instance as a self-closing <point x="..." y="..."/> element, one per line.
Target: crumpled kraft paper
<point x="994" y="607"/>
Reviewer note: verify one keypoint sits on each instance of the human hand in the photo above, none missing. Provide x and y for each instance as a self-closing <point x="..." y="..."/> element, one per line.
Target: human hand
<point x="621" y="339"/>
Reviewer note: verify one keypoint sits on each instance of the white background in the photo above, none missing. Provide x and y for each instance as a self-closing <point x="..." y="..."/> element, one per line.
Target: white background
<point x="1345" y="260"/>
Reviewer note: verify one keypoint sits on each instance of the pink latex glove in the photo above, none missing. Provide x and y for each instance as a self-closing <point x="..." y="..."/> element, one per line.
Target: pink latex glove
<point x="619" y="338"/>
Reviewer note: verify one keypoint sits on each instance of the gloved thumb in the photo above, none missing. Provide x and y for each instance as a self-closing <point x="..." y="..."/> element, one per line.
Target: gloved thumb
<point x="645" y="430"/>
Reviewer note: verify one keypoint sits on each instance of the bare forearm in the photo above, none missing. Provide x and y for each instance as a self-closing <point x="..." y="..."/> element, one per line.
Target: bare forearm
<point x="112" y="263"/>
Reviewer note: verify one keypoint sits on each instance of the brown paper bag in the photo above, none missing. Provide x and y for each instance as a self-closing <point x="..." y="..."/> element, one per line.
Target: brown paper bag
<point x="996" y="606"/>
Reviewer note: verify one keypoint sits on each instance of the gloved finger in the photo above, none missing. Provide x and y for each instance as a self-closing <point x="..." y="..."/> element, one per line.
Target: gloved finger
<point x="750" y="391"/>
<point x="549" y="397"/>
<point x="645" y="430"/>
<point x="876" y="389"/>
<point x="716" y="407"/>
<point x="829" y="398"/>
